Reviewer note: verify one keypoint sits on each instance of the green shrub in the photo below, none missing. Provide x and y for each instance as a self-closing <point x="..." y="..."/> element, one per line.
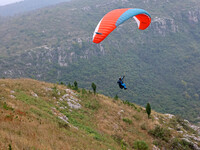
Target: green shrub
<point x="69" y="85"/>
<point x="136" y="117"/>
<point x="143" y="127"/>
<point x="160" y="133"/>
<point x="95" y="134"/>
<point x="116" y="97"/>
<point x="94" y="105"/>
<point x="84" y="91"/>
<point x="173" y="123"/>
<point x="127" y="120"/>
<point x="120" y="141"/>
<point x="184" y="124"/>
<point x="140" y="145"/>
<point x="123" y="145"/>
<point x="129" y="104"/>
<point x="55" y="92"/>
<point x="62" y="124"/>
<point x="117" y="138"/>
<point x="156" y="142"/>
<point x="179" y="144"/>
<point x="6" y="107"/>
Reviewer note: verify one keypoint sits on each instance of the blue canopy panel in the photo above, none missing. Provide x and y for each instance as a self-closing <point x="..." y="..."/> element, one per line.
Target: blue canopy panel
<point x="131" y="13"/>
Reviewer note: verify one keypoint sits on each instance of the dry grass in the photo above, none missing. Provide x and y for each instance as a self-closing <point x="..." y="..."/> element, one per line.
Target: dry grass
<point x="21" y="128"/>
<point x="111" y="122"/>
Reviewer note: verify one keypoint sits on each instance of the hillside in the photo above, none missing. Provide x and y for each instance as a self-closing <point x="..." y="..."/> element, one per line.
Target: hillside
<point x="161" y="64"/>
<point x="40" y="115"/>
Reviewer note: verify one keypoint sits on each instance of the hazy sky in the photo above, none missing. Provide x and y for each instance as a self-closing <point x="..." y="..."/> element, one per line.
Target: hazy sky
<point x="5" y="2"/>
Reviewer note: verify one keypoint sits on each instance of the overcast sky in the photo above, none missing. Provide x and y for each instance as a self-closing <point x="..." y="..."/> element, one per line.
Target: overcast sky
<point x="5" y="2"/>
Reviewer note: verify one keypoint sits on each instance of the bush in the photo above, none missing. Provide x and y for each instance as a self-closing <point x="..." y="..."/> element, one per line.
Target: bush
<point x="6" y="107"/>
<point x="140" y="145"/>
<point x="62" y="124"/>
<point x="120" y="141"/>
<point x="156" y="142"/>
<point x="117" y="138"/>
<point x="160" y="133"/>
<point x="127" y="120"/>
<point x="129" y="104"/>
<point x="116" y="97"/>
<point x="123" y="145"/>
<point x="185" y="125"/>
<point x="180" y="144"/>
<point x="93" y="105"/>
<point x="55" y="92"/>
<point x="84" y="91"/>
<point x="69" y="85"/>
<point x="136" y="117"/>
<point x="143" y="127"/>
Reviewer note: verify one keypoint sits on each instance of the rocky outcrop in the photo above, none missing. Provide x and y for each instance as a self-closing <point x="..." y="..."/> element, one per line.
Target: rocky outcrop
<point x="193" y="16"/>
<point x="71" y="100"/>
<point x="44" y="58"/>
<point x="164" y="26"/>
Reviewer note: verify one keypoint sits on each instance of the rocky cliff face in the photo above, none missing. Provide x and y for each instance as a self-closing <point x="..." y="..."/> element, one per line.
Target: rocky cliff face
<point x="193" y="16"/>
<point x="38" y="61"/>
<point x="164" y="26"/>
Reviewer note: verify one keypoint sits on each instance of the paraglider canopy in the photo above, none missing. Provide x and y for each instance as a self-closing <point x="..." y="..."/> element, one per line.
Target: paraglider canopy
<point x="118" y="16"/>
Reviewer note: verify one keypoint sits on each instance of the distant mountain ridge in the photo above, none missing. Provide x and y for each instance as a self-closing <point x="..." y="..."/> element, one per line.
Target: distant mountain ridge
<point x="26" y="6"/>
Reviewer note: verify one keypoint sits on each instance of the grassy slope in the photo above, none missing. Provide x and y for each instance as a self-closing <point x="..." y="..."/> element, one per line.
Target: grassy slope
<point x="29" y="122"/>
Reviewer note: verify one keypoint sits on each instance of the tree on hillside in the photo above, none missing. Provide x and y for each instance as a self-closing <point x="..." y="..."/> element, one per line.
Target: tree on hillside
<point x="148" y="109"/>
<point x="9" y="147"/>
<point x="75" y="85"/>
<point x="94" y="87"/>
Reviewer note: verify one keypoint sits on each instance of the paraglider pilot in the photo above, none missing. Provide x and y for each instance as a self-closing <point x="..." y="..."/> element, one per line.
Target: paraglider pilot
<point x="121" y="84"/>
